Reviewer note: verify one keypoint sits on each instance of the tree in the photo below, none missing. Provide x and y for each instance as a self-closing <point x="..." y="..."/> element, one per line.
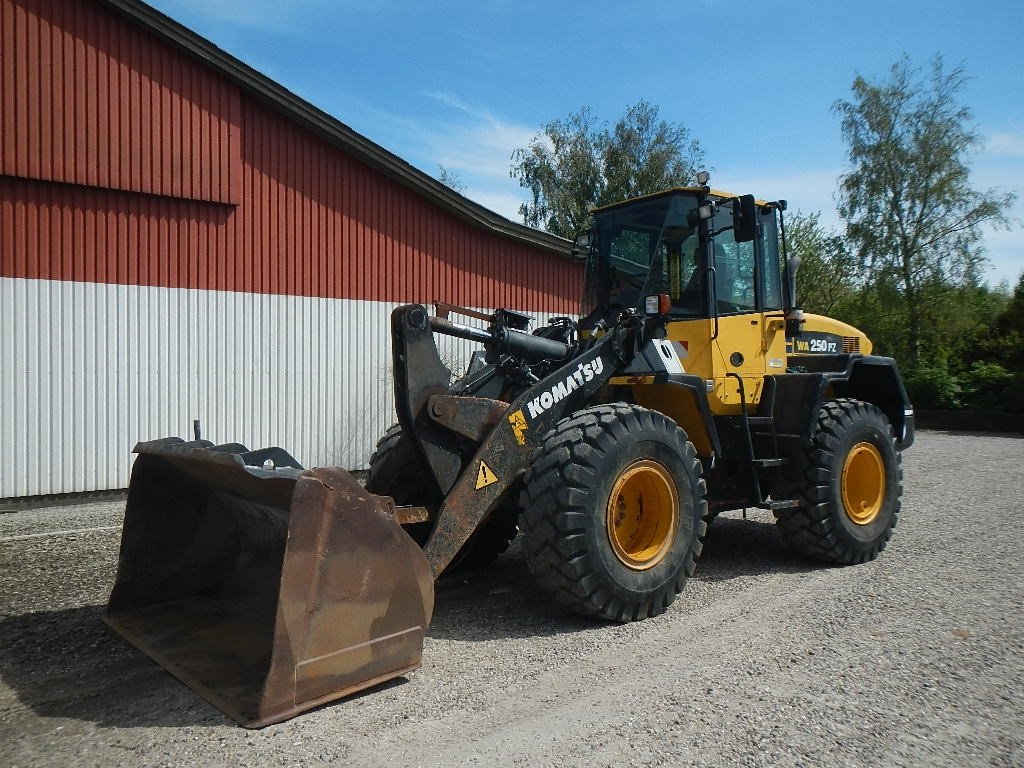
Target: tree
<point x="911" y="214"/>
<point x="829" y="274"/>
<point x="450" y="179"/>
<point x="995" y="378"/>
<point x="578" y="162"/>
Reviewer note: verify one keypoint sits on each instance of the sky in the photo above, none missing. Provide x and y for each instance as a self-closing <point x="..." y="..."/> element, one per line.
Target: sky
<point x="463" y="84"/>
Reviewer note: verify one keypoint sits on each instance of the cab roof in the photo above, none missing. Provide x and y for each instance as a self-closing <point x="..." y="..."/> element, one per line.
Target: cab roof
<point x="715" y="194"/>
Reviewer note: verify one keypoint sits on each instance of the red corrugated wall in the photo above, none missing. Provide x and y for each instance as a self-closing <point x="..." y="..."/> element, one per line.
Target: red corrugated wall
<point x="124" y="160"/>
<point x="90" y="100"/>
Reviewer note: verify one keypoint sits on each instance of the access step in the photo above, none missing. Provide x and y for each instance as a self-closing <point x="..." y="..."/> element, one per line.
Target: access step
<point x="773" y="505"/>
<point x="769" y="463"/>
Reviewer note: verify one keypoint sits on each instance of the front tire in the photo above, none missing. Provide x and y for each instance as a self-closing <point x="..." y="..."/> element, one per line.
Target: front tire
<point x="613" y="512"/>
<point x="395" y="471"/>
<point x="852" y="484"/>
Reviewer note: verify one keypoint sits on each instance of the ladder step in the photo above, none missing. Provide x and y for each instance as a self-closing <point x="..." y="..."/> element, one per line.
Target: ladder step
<point x="764" y="421"/>
<point x="770" y="463"/>
<point x="781" y="504"/>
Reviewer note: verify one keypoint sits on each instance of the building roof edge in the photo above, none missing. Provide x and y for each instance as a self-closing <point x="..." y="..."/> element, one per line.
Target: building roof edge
<point x="330" y="128"/>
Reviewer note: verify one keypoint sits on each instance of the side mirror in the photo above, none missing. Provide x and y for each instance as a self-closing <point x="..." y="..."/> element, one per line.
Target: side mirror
<point x="581" y="246"/>
<point x="744" y="219"/>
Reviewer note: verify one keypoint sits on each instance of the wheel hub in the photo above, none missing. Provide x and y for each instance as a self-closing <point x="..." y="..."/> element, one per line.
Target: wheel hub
<point x="863" y="483"/>
<point x="641" y="515"/>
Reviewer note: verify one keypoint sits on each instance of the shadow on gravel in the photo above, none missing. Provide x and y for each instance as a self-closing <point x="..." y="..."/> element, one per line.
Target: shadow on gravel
<point x="67" y="664"/>
<point x="978" y="433"/>
<point x="736" y="548"/>
<point x="503" y="601"/>
<point x="500" y="601"/>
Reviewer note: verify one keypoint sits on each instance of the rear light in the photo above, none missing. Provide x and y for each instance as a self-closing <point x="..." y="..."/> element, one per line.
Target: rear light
<point x="658" y="304"/>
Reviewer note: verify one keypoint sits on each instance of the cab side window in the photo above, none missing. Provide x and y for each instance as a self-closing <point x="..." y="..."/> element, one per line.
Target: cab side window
<point x="771" y="287"/>
<point x="734" y="269"/>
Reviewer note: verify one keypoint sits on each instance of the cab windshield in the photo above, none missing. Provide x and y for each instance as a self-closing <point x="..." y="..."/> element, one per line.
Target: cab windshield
<point x="653" y="247"/>
<point x="648" y="248"/>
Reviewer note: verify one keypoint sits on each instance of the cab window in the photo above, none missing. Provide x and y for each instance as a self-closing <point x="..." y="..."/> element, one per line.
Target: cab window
<point x="734" y="268"/>
<point x="770" y="282"/>
<point x="649" y="248"/>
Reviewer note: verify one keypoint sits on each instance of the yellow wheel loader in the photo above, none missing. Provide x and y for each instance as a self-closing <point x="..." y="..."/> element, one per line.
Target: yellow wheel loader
<point x="691" y="384"/>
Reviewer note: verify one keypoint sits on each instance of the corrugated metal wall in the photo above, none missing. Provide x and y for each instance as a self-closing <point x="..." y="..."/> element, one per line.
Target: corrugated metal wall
<point x="174" y="249"/>
<point x="96" y="367"/>
<point x="87" y="101"/>
<point x="312" y="222"/>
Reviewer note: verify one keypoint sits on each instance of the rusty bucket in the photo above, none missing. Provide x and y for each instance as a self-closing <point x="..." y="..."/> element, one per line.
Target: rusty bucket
<point x="266" y="588"/>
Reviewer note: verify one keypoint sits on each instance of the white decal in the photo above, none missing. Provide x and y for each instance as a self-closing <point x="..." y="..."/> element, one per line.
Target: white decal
<point x="669" y="356"/>
<point x="823" y="345"/>
<point x="584" y="372"/>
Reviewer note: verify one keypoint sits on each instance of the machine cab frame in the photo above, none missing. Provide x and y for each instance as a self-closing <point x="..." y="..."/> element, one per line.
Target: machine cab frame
<point x="713" y="261"/>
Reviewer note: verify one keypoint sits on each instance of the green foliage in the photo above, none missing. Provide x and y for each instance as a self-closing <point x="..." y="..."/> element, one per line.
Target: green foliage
<point x="829" y="274"/>
<point x="993" y="378"/>
<point x="450" y="179"/>
<point x="912" y="216"/>
<point x="578" y="162"/>
<point x="985" y="385"/>
<point x="932" y="385"/>
<point x="1003" y="341"/>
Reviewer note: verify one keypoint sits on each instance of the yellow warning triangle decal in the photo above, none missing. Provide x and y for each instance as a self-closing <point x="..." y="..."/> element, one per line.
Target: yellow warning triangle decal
<point x="485" y="476"/>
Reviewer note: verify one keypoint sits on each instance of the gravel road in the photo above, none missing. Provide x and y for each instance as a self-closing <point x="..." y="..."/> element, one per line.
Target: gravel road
<point x="916" y="659"/>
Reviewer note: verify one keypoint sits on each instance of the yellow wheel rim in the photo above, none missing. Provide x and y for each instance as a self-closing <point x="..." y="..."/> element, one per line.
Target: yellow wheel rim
<point x="641" y="518"/>
<point x="863" y="483"/>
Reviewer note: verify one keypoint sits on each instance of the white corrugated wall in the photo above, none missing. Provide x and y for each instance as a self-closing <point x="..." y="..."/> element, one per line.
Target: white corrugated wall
<point x="89" y="369"/>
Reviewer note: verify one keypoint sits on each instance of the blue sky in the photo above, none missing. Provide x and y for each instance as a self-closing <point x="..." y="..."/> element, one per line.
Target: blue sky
<point x="463" y="84"/>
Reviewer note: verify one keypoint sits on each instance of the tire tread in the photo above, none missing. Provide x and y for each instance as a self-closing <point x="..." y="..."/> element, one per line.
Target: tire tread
<point x="810" y="529"/>
<point x="553" y="508"/>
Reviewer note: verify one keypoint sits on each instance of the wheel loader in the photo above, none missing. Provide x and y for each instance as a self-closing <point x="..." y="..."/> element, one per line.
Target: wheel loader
<point x="690" y="384"/>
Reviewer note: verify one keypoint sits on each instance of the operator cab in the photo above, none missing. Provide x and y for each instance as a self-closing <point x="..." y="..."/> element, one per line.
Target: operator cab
<point x="689" y="245"/>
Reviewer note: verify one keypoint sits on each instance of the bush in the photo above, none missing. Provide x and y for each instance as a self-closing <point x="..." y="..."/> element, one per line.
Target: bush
<point x="933" y="386"/>
<point x="985" y="385"/>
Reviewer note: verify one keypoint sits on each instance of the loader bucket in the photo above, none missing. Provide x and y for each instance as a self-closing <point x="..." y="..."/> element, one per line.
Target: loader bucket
<point x="268" y="591"/>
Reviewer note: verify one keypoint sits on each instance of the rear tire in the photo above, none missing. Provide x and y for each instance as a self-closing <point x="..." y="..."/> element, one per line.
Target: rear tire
<point x="395" y="471"/>
<point x="613" y="512"/>
<point x="852" y="483"/>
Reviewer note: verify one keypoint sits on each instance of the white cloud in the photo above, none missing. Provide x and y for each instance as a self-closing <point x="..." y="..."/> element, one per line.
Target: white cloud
<point x="476" y="145"/>
<point x="451" y="100"/>
<point x="504" y="203"/>
<point x="805" y="191"/>
<point x="469" y="141"/>
<point x="1001" y="167"/>
<point x="1005" y="251"/>
<point x="815" y="190"/>
<point x="1004" y="145"/>
<point x="472" y="140"/>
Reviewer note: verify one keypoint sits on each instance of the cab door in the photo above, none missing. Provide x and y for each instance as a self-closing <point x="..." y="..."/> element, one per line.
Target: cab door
<point x="750" y="340"/>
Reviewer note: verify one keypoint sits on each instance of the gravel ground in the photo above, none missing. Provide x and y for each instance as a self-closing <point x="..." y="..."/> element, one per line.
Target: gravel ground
<point x="916" y="659"/>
